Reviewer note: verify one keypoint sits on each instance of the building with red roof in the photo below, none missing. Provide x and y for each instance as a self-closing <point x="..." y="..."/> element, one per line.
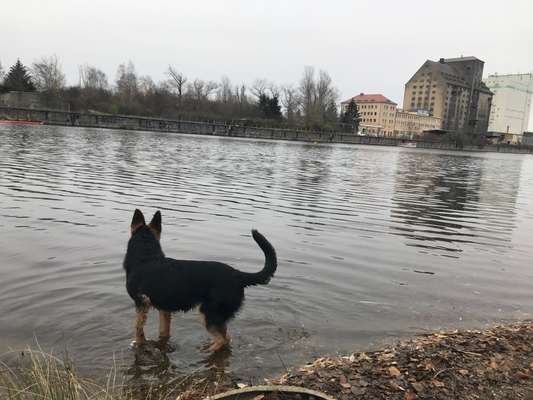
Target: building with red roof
<point x="377" y="113"/>
<point x="379" y="116"/>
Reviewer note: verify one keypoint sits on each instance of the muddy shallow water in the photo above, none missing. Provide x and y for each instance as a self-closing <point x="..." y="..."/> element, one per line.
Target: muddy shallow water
<point x="372" y="242"/>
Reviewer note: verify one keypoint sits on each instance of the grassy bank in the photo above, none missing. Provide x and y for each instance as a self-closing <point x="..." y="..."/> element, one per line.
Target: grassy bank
<point x="495" y="363"/>
<point x="36" y="375"/>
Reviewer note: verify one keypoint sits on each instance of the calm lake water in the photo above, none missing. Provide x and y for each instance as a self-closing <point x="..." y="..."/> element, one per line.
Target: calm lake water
<point x="353" y="227"/>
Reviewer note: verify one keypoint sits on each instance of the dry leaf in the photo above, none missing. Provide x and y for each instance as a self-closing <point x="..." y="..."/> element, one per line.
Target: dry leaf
<point x="357" y="391"/>
<point x="522" y="375"/>
<point x="410" y="396"/>
<point x="395" y="386"/>
<point x="417" y="386"/>
<point x="395" y="372"/>
<point x="437" y="383"/>
<point x="346" y="385"/>
<point x="463" y="371"/>
<point x="241" y="385"/>
<point x="428" y="365"/>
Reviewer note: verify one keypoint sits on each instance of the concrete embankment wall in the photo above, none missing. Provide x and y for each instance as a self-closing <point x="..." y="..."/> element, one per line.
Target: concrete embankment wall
<point x="64" y="118"/>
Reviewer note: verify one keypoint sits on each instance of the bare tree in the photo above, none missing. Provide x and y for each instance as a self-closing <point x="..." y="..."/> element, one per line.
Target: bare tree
<point x="275" y="91"/>
<point x="240" y="94"/>
<point x="290" y="101"/>
<point x="177" y="80"/>
<point x="127" y="85"/>
<point x="326" y="97"/>
<point x="318" y="97"/>
<point x="200" y="90"/>
<point x="92" y="78"/>
<point x="243" y="97"/>
<point x="146" y="85"/>
<point x="306" y="93"/>
<point x="1" y="73"/>
<point x="196" y="89"/>
<point x="210" y="87"/>
<point x="48" y="75"/>
<point x="224" y="93"/>
<point x="260" y="87"/>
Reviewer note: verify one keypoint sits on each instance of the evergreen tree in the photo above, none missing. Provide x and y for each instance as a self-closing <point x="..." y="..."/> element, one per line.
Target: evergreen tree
<point x="1" y="78"/>
<point x="275" y="108"/>
<point x="269" y="107"/>
<point x="18" y="79"/>
<point x="351" y="116"/>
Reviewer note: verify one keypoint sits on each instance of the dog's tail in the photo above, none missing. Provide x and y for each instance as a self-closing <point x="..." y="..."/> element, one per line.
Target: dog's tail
<point x="262" y="277"/>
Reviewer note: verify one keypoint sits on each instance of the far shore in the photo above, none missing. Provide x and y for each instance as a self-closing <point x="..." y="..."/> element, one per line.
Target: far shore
<point x="239" y="129"/>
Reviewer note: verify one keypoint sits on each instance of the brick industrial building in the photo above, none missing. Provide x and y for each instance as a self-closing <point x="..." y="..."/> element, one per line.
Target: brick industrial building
<point x="452" y="90"/>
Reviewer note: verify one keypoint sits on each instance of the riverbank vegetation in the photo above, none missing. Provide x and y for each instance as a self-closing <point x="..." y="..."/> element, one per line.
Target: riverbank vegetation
<point x="310" y="103"/>
<point x="36" y="375"/>
<point x="495" y="363"/>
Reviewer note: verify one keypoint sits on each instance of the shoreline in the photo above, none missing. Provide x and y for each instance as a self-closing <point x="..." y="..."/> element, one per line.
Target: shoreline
<point x="492" y="363"/>
<point x="235" y="129"/>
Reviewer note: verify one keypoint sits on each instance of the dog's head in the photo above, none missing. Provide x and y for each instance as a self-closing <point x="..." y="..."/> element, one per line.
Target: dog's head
<point x="138" y="222"/>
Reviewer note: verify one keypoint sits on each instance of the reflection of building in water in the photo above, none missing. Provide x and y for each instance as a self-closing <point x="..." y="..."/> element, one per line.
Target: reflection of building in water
<point x="305" y="192"/>
<point x="499" y="188"/>
<point x="446" y="202"/>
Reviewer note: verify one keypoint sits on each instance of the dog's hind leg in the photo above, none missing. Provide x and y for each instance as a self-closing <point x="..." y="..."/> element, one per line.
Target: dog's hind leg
<point x="215" y="323"/>
<point x="142" y="313"/>
<point x="164" y="324"/>
<point x="221" y="337"/>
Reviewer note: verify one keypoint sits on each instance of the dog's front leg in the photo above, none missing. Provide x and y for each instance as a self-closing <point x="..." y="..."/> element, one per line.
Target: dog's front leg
<point x="164" y="324"/>
<point x="140" y="320"/>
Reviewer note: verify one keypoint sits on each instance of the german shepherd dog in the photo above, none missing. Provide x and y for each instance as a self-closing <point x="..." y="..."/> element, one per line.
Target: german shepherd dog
<point x="169" y="285"/>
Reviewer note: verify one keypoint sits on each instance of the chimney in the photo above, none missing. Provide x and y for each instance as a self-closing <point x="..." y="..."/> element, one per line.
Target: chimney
<point x="361" y="94"/>
<point x="441" y="60"/>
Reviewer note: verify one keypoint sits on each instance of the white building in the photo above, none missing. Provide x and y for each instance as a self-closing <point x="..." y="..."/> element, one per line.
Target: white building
<point x="511" y="104"/>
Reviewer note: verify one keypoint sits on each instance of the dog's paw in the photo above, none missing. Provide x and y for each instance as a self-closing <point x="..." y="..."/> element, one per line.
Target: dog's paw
<point x="217" y="345"/>
<point x="165" y="345"/>
<point x="136" y="345"/>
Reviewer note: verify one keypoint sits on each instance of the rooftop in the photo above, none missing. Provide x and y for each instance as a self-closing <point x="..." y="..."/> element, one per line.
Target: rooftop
<point x="369" y="98"/>
<point x="528" y="76"/>
<point x="459" y="59"/>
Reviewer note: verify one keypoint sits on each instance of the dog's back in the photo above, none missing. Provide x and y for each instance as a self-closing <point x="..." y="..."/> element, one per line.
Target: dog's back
<point x="179" y="285"/>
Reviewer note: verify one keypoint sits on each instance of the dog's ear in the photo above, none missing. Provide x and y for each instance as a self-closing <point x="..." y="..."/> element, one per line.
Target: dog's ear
<point x="137" y="221"/>
<point x="155" y="223"/>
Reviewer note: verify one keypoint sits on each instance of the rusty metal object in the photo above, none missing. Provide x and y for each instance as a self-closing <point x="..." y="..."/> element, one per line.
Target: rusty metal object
<point x="249" y="391"/>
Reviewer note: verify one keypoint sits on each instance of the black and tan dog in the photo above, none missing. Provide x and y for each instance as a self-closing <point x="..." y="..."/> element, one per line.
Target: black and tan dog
<point x="169" y="285"/>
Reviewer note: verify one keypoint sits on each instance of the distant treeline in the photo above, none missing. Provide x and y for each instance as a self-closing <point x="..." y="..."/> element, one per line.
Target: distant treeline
<point x="310" y="103"/>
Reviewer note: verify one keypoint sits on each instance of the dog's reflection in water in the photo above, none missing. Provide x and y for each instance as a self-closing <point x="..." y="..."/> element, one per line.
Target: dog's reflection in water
<point x="154" y="376"/>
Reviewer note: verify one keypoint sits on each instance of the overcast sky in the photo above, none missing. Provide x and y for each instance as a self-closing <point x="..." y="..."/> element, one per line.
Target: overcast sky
<point x="366" y="46"/>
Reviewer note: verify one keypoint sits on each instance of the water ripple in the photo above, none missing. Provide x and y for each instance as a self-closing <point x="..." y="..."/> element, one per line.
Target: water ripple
<point x="350" y="224"/>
